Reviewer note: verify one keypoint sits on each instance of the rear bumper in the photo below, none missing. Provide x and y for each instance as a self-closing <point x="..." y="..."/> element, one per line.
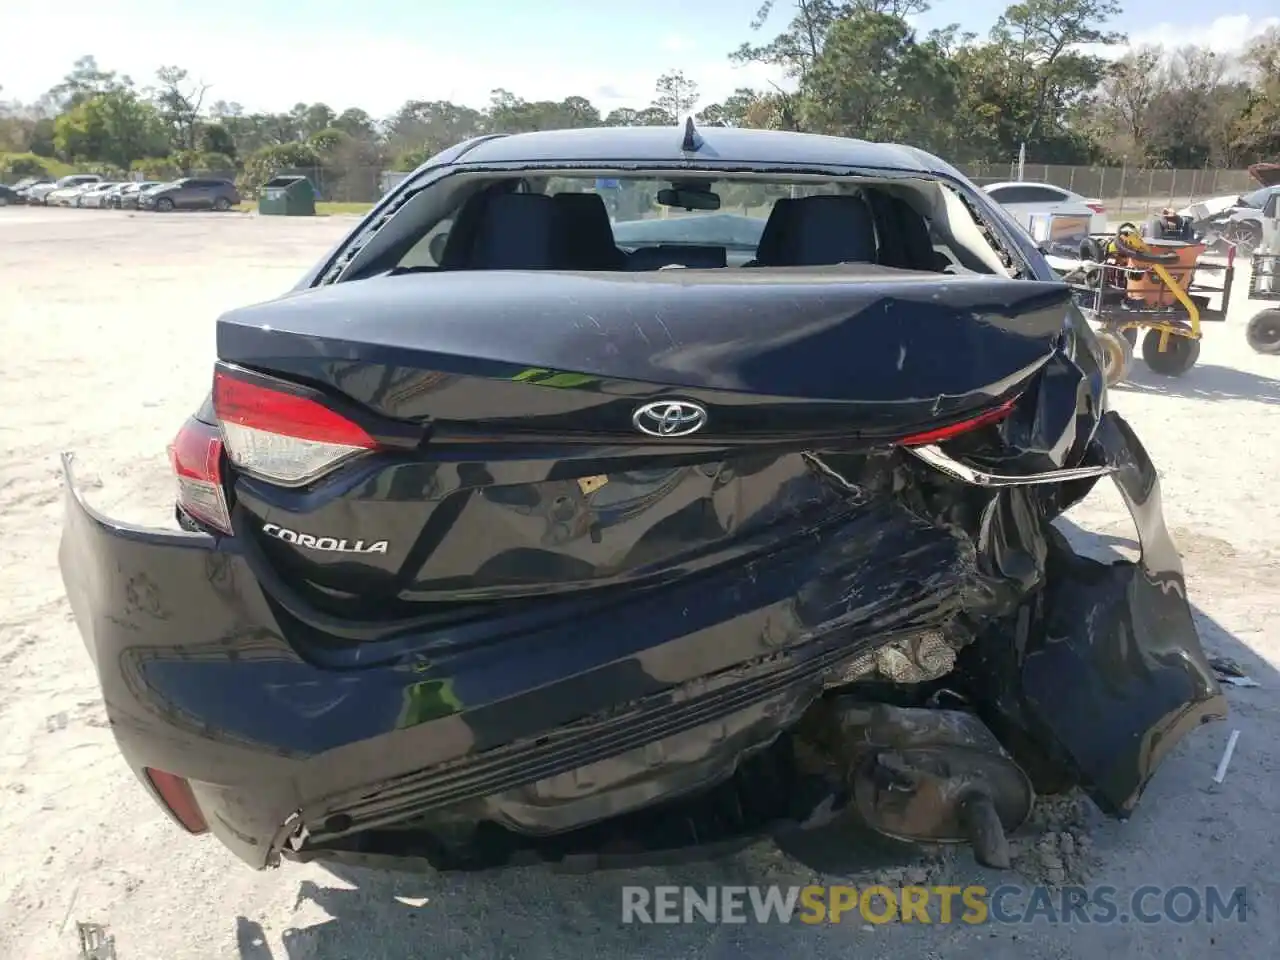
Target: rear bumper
<point x="609" y="716"/>
<point x="560" y="727"/>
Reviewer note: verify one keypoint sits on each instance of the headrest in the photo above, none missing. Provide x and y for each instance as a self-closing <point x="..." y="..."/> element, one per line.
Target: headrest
<point x="904" y="234"/>
<point x="774" y="234"/>
<point x="828" y="229"/>
<point x="516" y="231"/>
<point x="817" y="231"/>
<point x="586" y="234"/>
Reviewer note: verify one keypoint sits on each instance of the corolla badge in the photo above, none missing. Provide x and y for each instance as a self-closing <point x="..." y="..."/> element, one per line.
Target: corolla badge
<point x="670" y="418"/>
<point x="327" y="544"/>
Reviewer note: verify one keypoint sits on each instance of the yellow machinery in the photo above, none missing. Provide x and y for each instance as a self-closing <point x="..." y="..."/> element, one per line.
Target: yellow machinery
<point x="1127" y="284"/>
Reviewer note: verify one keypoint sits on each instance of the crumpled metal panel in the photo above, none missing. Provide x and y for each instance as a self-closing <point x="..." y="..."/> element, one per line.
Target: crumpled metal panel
<point x="1101" y="673"/>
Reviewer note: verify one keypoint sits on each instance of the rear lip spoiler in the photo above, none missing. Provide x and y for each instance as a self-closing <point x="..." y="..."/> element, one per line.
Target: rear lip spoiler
<point x="934" y="456"/>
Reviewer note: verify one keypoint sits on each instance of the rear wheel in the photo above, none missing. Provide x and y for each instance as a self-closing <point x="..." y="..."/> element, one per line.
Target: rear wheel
<point x="1244" y="235"/>
<point x="164" y="204"/>
<point x="1263" y="332"/>
<point x="222" y="204"/>
<point x="1117" y="357"/>
<point x="1179" y="356"/>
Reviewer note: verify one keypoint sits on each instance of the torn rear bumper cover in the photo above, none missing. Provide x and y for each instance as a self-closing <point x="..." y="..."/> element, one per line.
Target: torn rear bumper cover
<point x="586" y="738"/>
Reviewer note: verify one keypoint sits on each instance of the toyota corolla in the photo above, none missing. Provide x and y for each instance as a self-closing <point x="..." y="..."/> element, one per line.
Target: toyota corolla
<point x="502" y="538"/>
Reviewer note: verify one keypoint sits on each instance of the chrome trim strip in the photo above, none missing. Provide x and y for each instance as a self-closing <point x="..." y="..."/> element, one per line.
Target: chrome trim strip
<point x="934" y="456"/>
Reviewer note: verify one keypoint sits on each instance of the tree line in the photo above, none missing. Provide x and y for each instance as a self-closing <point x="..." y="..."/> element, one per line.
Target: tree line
<point x="857" y="69"/>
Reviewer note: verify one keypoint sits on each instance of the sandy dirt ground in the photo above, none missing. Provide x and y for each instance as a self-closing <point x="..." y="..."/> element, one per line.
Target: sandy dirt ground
<point x="106" y="324"/>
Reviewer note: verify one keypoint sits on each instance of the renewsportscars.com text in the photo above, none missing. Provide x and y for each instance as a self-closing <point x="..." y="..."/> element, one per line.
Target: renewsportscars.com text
<point x="974" y="905"/>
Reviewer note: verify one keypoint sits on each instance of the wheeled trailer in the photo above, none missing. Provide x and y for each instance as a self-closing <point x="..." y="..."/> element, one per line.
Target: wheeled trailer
<point x="1126" y="285"/>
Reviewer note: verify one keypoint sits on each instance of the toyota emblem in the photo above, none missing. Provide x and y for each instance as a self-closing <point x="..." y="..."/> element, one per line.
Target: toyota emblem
<point x="670" y="418"/>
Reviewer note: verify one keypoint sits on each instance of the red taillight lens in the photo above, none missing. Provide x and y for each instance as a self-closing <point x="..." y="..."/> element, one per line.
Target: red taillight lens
<point x="1096" y="207"/>
<point x="176" y="793"/>
<point x="196" y="455"/>
<point x="941" y="434"/>
<point x="281" y="436"/>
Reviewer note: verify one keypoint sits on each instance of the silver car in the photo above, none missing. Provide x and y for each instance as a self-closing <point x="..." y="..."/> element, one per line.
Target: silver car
<point x="67" y="196"/>
<point x="41" y="194"/>
<point x="95" y="195"/>
<point x="127" y="198"/>
<point x="111" y="197"/>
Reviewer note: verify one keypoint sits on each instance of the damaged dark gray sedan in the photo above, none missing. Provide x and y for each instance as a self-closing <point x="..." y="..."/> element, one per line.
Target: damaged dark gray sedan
<point x="518" y="532"/>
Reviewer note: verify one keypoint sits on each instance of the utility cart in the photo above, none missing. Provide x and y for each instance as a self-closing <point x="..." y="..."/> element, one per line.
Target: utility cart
<point x="1128" y="285"/>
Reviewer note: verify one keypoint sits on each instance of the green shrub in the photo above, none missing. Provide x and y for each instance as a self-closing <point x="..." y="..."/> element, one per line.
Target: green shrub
<point x="14" y="166"/>
<point x="268" y="162"/>
<point x="157" y="168"/>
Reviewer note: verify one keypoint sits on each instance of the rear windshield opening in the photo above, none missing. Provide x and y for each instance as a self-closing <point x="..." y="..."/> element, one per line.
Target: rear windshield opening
<point x="640" y="224"/>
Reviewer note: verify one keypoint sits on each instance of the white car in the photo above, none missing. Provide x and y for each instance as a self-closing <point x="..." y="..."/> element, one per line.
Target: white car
<point x="42" y="193"/>
<point x="66" y="196"/>
<point x="1211" y="206"/>
<point x="1024" y="199"/>
<point x="96" y="194"/>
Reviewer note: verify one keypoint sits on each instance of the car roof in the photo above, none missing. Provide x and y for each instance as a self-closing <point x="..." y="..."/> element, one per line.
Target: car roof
<point x="662" y="145"/>
<point x="1027" y="183"/>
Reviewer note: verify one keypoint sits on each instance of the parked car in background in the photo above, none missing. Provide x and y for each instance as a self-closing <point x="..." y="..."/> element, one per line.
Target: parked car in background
<point x="8" y="196"/>
<point x="109" y="196"/>
<point x="94" y="195"/>
<point x="24" y="186"/>
<point x="127" y="197"/>
<point x="1024" y="200"/>
<point x="191" y="193"/>
<point x="1232" y="220"/>
<point x="67" y="196"/>
<point x="42" y="192"/>
<point x="27" y="182"/>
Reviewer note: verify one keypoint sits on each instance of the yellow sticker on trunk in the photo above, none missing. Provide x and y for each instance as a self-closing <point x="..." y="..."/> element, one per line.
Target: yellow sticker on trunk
<point x="592" y="484"/>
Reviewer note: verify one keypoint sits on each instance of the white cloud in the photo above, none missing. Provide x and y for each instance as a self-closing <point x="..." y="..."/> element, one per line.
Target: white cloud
<point x="1228" y="34"/>
<point x="375" y="72"/>
<point x="678" y="43"/>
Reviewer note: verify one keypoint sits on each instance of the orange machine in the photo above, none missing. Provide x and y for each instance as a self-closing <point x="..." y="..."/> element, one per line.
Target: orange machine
<point x="1129" y="283"/>
<point x="1145" y="285"/>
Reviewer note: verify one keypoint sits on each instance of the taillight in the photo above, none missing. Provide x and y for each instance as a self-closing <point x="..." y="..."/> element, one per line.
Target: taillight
<point x="941" y="434"/>
<point x="176" y="793"/>
<point x="196" y="455"/>
<point x="1096" y="207"/>
<point x="280" y="435"/>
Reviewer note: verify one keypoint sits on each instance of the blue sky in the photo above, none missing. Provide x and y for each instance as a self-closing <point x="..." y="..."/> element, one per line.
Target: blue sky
<point x="378" y="53"/>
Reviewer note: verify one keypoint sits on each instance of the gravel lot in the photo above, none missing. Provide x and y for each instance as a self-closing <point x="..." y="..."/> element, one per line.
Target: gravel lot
<point x="106" y="322"/>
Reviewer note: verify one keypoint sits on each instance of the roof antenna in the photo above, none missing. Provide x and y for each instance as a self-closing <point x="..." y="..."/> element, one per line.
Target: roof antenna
<point x="692" y="142"/>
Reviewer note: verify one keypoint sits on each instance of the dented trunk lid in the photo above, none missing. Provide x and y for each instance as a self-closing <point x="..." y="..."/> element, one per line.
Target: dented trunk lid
<point x="532" y="478"/>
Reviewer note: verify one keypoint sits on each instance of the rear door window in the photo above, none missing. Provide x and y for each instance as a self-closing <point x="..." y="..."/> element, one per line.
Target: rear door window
<point x="426" y="252"/>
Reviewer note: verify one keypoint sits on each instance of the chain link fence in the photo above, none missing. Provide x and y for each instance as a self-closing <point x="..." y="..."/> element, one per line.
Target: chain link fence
<point x="337" y="185"/>
<point x="1127" y="191"/>
<point x="1131" y="192"/>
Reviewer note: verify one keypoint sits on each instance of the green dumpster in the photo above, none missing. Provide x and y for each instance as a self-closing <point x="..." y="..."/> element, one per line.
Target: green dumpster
<point x="287" y="196"/>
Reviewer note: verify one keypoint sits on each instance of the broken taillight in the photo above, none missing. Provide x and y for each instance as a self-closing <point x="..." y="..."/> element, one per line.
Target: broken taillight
<point x="176" y="794"/>
<point x="942" y="434"/>
<point x="196" y="455"/>
<point x="280" y="435"/>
